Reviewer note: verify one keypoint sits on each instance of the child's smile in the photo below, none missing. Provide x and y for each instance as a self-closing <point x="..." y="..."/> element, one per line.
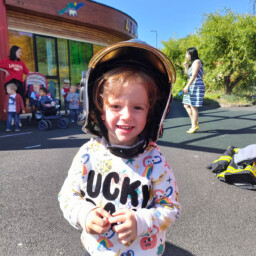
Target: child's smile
<point x="126" y="115"/>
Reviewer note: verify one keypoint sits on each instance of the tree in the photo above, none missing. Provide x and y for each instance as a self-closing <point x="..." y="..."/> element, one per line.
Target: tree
<point x="226" y="44"/>
<point x="175" y="50"/>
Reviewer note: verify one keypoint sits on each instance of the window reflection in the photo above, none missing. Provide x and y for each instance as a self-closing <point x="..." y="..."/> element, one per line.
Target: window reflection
<point x="46" y="56"/>
<point x="63" y="59"/>
<point x="80" y="55"/>
<point x="25" y="42"/>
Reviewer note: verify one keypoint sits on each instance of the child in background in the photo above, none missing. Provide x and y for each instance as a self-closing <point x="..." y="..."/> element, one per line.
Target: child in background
<point x="35" y="94"/>
<point x="120" y="190"/>
<point x="78" y="87"/>
<point x="78" y="90"/>
<point x="65" y="91"/>
<point x="45" y="99"/>
<point x="73" y="100"/>
<point x="13" y="106"/>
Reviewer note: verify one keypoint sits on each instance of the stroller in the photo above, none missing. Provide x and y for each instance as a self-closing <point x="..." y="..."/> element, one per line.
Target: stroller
<point x="43" y="115"/>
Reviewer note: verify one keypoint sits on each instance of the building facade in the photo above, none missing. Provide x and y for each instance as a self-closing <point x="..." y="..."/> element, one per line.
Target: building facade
<point x="58" y="38"/>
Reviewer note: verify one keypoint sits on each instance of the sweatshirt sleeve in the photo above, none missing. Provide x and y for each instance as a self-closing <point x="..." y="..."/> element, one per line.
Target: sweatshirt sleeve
<point x="25" y="69"/>
<point x="165" y="208"/>
<point x="71" y="197"/>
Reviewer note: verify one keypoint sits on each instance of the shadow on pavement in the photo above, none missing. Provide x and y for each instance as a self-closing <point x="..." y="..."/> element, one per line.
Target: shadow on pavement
<point x="30" y="137"/>
<point x="177" y="109"/>
<point x="171" y="249"/>
<point x="219" y="128"/>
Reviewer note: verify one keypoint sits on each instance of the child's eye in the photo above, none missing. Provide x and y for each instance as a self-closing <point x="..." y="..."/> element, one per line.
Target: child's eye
<point x="114" y="106"/>
<point x="138" y="108"/>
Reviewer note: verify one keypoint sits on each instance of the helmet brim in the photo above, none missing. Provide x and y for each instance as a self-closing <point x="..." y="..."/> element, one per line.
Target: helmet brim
<point x="130" y="53"/>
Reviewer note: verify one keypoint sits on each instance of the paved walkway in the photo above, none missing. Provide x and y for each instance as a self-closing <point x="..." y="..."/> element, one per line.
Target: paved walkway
<point x="216" y="219"/>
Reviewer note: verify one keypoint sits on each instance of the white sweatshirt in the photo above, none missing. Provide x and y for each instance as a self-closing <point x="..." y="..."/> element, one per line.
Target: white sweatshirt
<point x="145" y="184"/>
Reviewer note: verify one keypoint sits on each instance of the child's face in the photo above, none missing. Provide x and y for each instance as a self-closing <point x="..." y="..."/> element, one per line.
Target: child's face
<point x="126" y="115"/>
<point x="36" y="87"/>
<point x="42" y="93"/>
<point x="72" y="89"/>
<point x="10" y="90"/>
<point x="66" y="85"/>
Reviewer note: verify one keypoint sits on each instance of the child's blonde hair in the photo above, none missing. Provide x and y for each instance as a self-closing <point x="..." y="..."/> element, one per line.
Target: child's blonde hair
<point x="74" y="86"/>
<point x="36" y="86"/>
<point x="114" y="82"/>
<point x="12" y="86"/>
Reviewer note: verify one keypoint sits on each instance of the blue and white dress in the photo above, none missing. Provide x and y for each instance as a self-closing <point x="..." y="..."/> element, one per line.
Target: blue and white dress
<point x="196" y="91"/>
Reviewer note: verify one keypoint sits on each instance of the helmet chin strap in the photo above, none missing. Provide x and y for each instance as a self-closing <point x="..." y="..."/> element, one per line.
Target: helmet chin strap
<point x="128" y="152"/>
<point x="122" y="151"/>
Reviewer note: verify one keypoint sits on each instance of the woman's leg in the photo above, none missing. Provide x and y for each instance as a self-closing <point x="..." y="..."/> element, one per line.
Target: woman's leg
<point x="21" y="91"/>
<point x="194" y="119"/>
<point x="189" y="111"/>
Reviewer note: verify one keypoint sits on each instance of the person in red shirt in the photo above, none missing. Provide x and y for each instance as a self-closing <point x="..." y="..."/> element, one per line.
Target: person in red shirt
<point x="14" y="69"/>
<point x="65" y="91"/>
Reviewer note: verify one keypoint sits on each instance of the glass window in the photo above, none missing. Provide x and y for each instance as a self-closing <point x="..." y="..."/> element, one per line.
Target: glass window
<point x="46" y="56"/>
<point x="63" y="59"/>
<point x="80" y="54"/>
<point x="25" y="42"/>
<point x="53" y="88"/>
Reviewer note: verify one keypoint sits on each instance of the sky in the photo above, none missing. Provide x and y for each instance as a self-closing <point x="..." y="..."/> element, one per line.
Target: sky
<point x="173" y="19"/>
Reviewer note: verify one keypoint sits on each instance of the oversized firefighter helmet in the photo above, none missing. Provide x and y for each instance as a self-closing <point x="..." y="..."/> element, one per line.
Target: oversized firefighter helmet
<point x="132" y="53"/>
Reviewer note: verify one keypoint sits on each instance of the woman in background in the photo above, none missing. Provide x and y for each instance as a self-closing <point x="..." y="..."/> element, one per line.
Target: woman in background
<point x="14" y="69"/>
<point x="195" y="89"/>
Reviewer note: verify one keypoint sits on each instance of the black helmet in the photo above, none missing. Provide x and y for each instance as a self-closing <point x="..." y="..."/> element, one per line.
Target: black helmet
<point x="132" y="53"/>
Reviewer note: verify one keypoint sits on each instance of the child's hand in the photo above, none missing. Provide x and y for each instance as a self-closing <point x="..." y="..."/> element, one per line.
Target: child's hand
<point x="71" y="100"/>
<point x="4" y="110"/>
<point x="23" y="111"/>
<point x="127" y="230"/>
<point x="97" y="221"/>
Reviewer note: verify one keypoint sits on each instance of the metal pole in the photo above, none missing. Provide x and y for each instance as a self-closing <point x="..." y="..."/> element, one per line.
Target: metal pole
<point x="155" y="31"/>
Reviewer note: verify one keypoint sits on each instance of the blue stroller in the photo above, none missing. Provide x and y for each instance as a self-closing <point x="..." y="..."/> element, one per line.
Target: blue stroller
<point x="44" y="115"/>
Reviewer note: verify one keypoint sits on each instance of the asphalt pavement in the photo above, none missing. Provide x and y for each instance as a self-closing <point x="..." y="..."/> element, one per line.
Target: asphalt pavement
<point x="216" y="219"/>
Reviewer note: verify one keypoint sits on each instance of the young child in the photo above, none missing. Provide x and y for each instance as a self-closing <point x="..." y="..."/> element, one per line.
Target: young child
<point x="13" y="106"/>
<point x="65" y="91"/>
<point x="120" y="190"/>
<point x="35" y="93"/>
<point x="73" y="100"/>
<point x="45" y="99"/>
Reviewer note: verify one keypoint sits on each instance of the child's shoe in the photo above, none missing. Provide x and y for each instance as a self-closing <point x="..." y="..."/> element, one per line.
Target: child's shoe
<point x="8" y="130"/>
<point x="17" y="130"/>
<point x="72" y="121"/>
